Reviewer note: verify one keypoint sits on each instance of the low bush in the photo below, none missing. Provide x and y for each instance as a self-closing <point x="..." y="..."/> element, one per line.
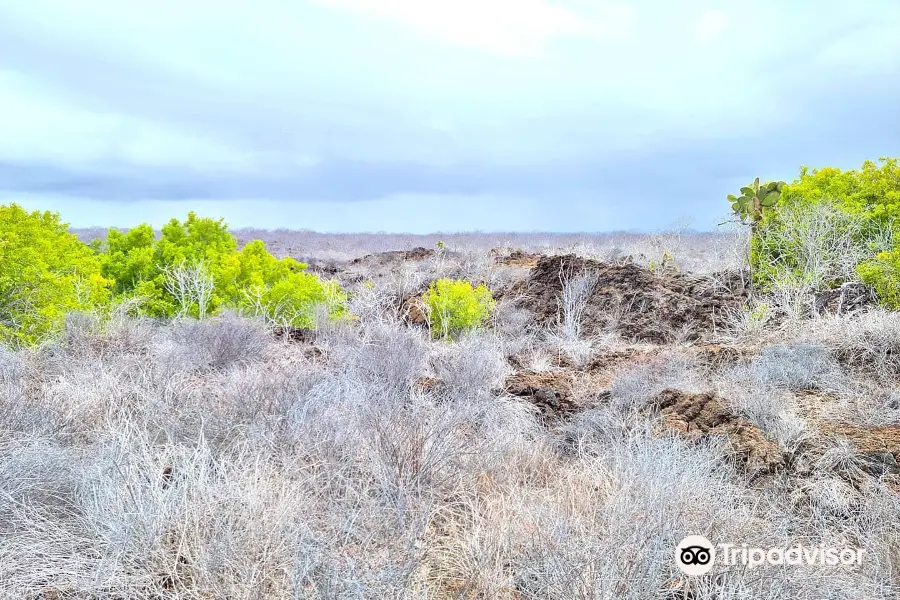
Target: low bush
<point x="869" y="341"/>
<point x="470" y="368"/>
<point x="797" y="367"/>
<point x="455" y="306"/>
<point x="220" y="343"/>
<point x="295" y="300"/>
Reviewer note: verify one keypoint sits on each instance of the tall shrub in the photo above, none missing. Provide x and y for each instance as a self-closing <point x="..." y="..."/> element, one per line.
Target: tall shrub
<point x="142" y="266"/>
<point x="45" y="271"/>
<point x="873" y="190"/>
<point x="830" y="226"/>
<point x="195" y="269"/>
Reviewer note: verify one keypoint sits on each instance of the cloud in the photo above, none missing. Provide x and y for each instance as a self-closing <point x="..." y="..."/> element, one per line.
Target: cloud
<point x="578" y="111"/>
<point x="38" y="126"/>
<point x="709" y="27"/>
<point x="511" y="27"/>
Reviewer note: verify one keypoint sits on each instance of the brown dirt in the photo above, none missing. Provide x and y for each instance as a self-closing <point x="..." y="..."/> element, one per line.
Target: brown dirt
<point x="699" y="415"/>
<point x="878" y="446"/>
<point x="602" y="361"/>
<point x="295" y="334"/>
<point x="611" y="360"/>
<point x="696" y="416"/>
<point x="426" y="384"/>
<point x="717" y="356"/>
<point x="413" y="310"/>
<point x="637" y="303"/>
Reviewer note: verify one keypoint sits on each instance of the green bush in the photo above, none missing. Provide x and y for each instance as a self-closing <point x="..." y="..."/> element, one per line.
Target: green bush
<point x="204" y="253"/>
<point x="293" y="300"/>
<point x="817" y="246"/>
<point x="882" y="273"/>
<point x="828" y="226"/>
<point x="45" y="272"/>
<point x="455" y="306"/>
<point x="140" y="264"/>
<point x="193" y="269"/>
<point x="872" y="190"/>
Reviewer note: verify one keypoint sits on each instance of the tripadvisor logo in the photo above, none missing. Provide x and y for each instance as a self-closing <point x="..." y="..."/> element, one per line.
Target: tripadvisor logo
<point x="695" y="555"/>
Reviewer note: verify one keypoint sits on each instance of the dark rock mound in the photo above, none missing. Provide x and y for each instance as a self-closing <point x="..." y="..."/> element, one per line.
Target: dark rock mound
<point x="699" y="415"/>
<point x="393" y="257"/>
<point x="514" y="258"/>
<point x="413" y="310"/>
<point x="295" y="334"/>
<point x="850" y="297"/>
<point x="550" y="391"/>
<point x="637" y="303"/>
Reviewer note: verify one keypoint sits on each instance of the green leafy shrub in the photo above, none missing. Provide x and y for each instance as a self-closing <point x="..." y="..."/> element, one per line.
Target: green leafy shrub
<point x="829" y="226"/>
<point x="882" y="273"/>
<point x="294" y="300"/>
<point x="872" y="193"/>
<point x="872" y="190"/>
<point x="454" y="306"/>
<point x="245" y="274"/>
<point x="45" y="272"/>
<point x="280" y="289"/>
<point x="141" y="265"/>
<point x="816" y="246"/>
<point x="195" y="269"/>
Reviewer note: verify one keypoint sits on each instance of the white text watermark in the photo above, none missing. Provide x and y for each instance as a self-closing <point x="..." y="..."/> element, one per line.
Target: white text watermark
<point x="696" y="555"/>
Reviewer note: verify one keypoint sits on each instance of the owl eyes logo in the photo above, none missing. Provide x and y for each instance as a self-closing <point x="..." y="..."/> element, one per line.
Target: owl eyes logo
<point x="695" y="555"/>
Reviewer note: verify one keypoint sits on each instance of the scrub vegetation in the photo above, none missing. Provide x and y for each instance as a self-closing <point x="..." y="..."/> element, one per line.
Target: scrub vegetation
<point x="204" y="413"/>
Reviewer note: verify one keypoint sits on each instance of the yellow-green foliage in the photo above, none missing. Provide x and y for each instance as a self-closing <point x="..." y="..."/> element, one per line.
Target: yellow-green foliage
<point x="292" y="300"/>
<point x="883" y="274"/>
<point x="864" y="203"/>
<point x="250" y="279"/>
<point x="137" y="261"/>
<point x="45" y="271"/>
<point x="873" y="189"/>
<point x="256" y="281"/>
<point x="455" y="306"/>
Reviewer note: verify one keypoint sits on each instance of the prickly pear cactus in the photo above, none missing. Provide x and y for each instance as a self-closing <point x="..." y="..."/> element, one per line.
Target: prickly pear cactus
<point x="755" y="199"/>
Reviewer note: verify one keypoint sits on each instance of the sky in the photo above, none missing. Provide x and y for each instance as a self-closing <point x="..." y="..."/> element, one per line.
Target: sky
<point x="433" y="115"/>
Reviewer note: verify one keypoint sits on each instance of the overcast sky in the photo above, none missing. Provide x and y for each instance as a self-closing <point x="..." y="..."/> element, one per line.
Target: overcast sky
<point x="424" y="115"/>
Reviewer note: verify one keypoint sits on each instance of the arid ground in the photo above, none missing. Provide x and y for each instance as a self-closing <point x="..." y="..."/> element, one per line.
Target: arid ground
<point x="630" y="390"/>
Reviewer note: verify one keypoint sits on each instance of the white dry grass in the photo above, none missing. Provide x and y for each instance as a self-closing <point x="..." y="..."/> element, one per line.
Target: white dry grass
<point x="201" y="460"/>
